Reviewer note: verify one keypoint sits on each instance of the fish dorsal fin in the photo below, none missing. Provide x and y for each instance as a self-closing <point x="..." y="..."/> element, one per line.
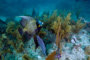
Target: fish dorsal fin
<point x="25" y="19"/>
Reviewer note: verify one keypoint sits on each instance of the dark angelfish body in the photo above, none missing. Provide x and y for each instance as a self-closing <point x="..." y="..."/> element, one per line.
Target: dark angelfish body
<point x="28" y="36"/>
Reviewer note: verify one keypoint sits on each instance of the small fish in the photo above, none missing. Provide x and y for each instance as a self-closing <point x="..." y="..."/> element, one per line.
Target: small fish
<point x="41" y="44"/>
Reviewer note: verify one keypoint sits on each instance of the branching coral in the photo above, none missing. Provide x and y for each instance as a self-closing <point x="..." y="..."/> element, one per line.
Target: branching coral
<point x="48" y="20"/>
<point x="42" y="33"/>
<point x="9" y="27"/>
<point x="58" y="38"/>
<point x="78" y="26"/>
<point x="12" y="29"/>
<point x="56" y="24"/>
<point x="4" y="46"/>
<point x="87" y="50"/>
<point x="65" y="25"/>
<point x="20" y="48"/>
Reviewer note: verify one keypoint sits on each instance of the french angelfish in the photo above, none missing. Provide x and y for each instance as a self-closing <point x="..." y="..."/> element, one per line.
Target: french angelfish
<point x="38" y="41"/>
<point x="29" y="26"/>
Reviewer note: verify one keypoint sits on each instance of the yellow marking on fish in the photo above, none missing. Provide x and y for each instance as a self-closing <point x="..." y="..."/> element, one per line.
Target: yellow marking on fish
<point x="38" y="25"/>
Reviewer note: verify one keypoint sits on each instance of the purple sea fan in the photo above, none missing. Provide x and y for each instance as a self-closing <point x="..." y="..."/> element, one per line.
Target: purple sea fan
<point x="58" y="56"/>
<point x="41" y="44"/>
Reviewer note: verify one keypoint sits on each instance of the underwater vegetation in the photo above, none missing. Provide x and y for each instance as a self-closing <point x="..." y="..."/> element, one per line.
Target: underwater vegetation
<point x="52" y="22"/>
<point x="3" y="27"/>
<point x="26" y="57"/>
<point x="16" y="35"/>
<point x="87" y="50"/>
<point x="78" y="26"/>
<point x="62" y="27"/>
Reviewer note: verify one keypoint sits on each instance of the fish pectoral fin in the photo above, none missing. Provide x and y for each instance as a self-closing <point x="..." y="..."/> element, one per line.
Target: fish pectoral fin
<point x="41" y="44"/>
<point x="20" y="31"/>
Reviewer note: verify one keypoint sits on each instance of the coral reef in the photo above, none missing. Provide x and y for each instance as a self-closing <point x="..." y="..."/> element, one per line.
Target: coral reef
<point x="11" y="40"/>
<point x="57" y="30"/>
<point x="12" y="29"/>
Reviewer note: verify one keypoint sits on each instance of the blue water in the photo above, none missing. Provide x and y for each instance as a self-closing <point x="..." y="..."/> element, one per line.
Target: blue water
<point x="20" y="7"/>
